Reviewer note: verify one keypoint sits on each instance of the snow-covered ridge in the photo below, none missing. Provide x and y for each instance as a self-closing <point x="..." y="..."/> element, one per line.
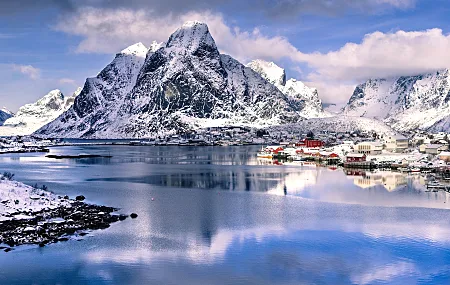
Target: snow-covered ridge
<point x="31" y="117"/>
<point x="269" y="71"/>
<point x="295" y="89"/>
<point x="405" y="103"/>
<point x="137" y="49"/>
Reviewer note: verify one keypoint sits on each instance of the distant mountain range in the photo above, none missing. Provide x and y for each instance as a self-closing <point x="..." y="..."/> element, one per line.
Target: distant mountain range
<point x="405" y="103"/>
<point x="31" y="117"/>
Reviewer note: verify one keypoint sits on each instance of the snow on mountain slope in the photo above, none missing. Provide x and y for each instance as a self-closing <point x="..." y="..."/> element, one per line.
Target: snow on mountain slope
<point x="31" y="117"/>
<point x="183" y="85"/>
<point x="335" y="124"/>
<point x="101" y="95"/>
<point x="405" y="103"/>
<point x="5" y="115"/>
<point x="269" y="71"/>
<point x="313" y="105"/>
<point x="293" y="88"/>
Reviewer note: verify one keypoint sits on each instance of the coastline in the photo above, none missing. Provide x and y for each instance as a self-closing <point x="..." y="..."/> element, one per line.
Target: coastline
<point x="32" y="215"/>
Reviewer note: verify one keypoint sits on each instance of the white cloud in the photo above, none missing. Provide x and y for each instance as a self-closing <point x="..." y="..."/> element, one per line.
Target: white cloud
<point x="110" y="30"/>
<point x="383" y="55"/>
<point x="332" y="91"/>
<point x="385" y="273"/>
<point x="28" y="70"/>
<point x="67" y="81"/>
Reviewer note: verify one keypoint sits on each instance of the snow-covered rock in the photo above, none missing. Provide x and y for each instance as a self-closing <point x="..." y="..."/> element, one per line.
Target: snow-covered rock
<point x="405" y="103"/>
<point x="312" y="104"/>
<point x="183" y="84"/>
<point x="269" y="71"/>
<point x="295" y="89"/>
<point x="17" y="197"/>
<point x="5" y="115"/>
<point x="31" y="117"/>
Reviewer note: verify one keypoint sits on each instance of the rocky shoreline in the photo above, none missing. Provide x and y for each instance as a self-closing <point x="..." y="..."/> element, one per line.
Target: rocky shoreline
<point x="43" y="218"/>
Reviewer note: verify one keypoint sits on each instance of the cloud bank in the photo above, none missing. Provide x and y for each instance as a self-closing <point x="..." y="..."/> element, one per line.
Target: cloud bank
<point x="28" y="70"/>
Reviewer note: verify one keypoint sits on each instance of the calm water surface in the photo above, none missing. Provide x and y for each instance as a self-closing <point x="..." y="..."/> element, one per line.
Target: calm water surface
<point x="220" y="216"/>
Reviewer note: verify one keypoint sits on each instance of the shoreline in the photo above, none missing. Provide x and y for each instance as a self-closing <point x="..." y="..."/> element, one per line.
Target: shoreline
<point x="31" y="215"/>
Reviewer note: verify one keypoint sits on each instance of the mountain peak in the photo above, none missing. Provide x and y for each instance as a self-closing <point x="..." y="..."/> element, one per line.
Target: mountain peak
<point x="155" y="46"/>
<point x="138" y="49"/>
<point x="191" y="36"/>
<point x="54" y="99"/>
<point x="269" y="71"/>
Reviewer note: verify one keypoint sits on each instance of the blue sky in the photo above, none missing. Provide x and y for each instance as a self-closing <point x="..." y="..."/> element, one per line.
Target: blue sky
<point x="58" y="44"/>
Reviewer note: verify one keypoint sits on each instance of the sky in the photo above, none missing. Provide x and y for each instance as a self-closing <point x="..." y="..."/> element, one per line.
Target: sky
<point x="332" y="45"/>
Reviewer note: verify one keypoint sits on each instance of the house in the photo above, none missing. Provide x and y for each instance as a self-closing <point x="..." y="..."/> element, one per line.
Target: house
<point x="435" y="148"/>
<point x="445" y="156"/>
<point x="396" y="143"/>
<point x="309" y="143"/>
<point x="356" y="157"/>
<point x="369" y="148"/>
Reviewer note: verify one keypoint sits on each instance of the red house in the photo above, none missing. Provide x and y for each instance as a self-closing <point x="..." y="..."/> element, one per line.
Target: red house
<point x="356" y="157"/>
<point x="310" y="143"/>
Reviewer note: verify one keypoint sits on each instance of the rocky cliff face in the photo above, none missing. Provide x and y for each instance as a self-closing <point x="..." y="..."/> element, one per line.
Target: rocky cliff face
<point x="295" y="89"/>
<point x="184" y="84"/>
<point x="405" y="103"/>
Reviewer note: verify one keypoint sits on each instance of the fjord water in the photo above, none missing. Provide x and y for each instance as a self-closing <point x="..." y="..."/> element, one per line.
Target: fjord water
<point x="217" y="215"/>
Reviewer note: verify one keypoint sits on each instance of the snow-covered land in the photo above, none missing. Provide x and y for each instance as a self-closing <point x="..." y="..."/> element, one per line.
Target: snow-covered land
<point x="335" y="124"/>
<point x="18" y="198"/>
<point x="31" y="117"/>
<point x="184" y="84"/>
<point x="405" y="103"/>
<point x="295" y="89"/>
<point x="5" y="115"/>
<point x="29" y="215"/>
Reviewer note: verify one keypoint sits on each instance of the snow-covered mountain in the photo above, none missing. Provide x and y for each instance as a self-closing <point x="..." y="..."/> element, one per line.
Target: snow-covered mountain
<point x="293" y="88"/>
<point x="31" y="117"/>
<point x="5" y="115"/>
<point x="405" y="103"/>
<point x="183" y="84"/>
<point x="269" y="71"/>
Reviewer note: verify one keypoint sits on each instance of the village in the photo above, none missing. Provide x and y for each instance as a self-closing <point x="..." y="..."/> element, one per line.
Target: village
<point x="363" y="155"/>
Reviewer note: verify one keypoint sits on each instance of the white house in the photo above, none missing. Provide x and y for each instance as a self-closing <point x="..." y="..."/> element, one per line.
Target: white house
<point x="369" y="148"/>
<point x="435" y="148"/>
<point x="396" y="143"/>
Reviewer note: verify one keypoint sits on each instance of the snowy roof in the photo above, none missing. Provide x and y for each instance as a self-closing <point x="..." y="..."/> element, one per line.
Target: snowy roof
<point x="371" y="143"/>
<point x="436" y="146"/>
<point x="445" y="153"/>
<point x="356" y="155"/>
